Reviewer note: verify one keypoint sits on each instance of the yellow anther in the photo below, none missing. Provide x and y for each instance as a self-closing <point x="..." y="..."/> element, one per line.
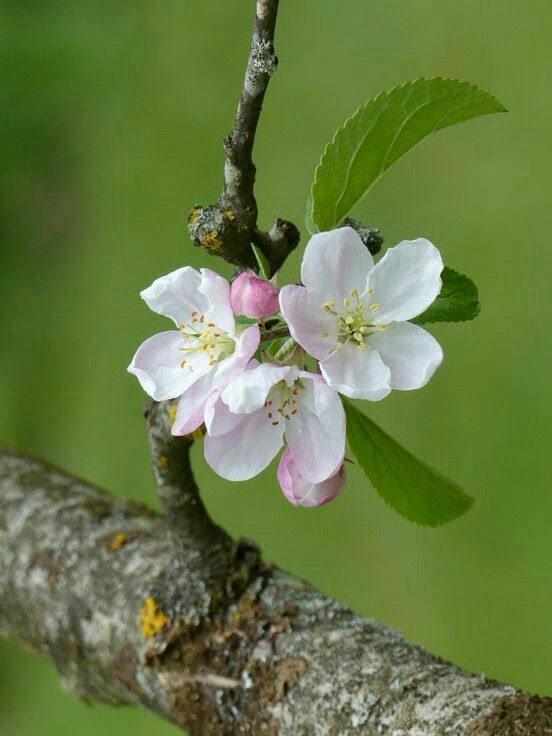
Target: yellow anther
<point x="325" y="333"/>
<point x="374" y="307"/>
<point x="346" y="302"/>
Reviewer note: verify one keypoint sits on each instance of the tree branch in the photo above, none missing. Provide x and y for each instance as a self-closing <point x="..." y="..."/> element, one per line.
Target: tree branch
<point x="228" y="228"/>
<point x="199" y="631"/>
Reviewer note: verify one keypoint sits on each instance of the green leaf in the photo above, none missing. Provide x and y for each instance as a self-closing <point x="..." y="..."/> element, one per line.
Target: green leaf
<point x="262" y="263"/>
<point x="242" y="320"/>
<point x="407" y="484"/>
<point x="380" y="132"/>
<point x="458" y="300"/>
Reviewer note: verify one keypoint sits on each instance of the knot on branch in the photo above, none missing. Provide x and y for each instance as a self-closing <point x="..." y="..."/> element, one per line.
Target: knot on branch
<point x="224" y="232"/>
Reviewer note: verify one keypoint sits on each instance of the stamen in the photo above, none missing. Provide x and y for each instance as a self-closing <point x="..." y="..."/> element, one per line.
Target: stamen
<point x="374" y="307"/>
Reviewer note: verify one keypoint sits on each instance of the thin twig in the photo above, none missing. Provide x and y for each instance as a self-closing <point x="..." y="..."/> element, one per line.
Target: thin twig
<point x="228" y="228"/>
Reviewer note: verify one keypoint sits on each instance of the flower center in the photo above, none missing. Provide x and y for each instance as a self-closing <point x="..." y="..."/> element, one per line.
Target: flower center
<point x="356" y="322"/>
<point x="201" y="336"/>
<point x="281" y="402"/>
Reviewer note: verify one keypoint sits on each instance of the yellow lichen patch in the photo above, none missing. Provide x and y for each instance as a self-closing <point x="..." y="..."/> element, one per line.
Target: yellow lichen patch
<point x="117" y="541"/>
<point x="194" y="214"/>
<point x="229" y="215"/>
<point x="172" y="413"/>
<point x="162" y="461"/>
<point x="212" y="241"/>
<point x="152" y="618"/>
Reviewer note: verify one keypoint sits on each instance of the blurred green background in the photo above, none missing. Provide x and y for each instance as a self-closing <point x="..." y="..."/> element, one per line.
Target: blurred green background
<point x="112" y="120"/>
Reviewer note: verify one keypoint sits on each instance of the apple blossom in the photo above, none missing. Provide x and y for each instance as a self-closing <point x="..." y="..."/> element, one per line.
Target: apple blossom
<point x="246" y="424"/>
<point x="351" y="315"/>
<point x="299" y="491"/>
<point x="253" y="297"/>
<point x="203" y="354"/>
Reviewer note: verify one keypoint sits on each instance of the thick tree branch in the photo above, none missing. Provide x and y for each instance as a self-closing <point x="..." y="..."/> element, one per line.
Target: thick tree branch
<point x="228" y="228"/>
<point x="198" y="630"/>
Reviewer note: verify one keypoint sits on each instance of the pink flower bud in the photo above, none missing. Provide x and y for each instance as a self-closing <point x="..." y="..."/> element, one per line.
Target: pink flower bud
<point x="253" y="297"/>
<point x="300" y="492"/>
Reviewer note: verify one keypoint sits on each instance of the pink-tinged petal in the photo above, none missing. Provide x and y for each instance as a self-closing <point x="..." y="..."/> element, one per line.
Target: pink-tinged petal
<point x="216" y="292"/>
<point x="218" y="417"/>
<point x="253" y="297"/>
<point x="248" y="392"/>
<point x="358" y="374"/>
<point x="411" y="353"/>
<point x="246" y="345"/>
<point x="312" y="327"/>
<point x="316" y="433"/>
<point x="247" y="449"/>
<point x="157" y="365"/>
<point x="406" y="280"/>
<point x="300" y="492"/>
<point x="191" y="407"/>
<point x="335" y="263"/>
<point x="176" y="295"/>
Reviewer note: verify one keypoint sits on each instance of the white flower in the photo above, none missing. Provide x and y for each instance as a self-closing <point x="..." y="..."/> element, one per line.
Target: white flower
<point x="203" y="354"/>
<point x="352" y="315"/>
<point x="247" y="423"/>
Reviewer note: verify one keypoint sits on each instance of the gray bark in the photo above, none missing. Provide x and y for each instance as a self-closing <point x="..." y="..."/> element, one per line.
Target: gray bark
<point x="168" y="613"/>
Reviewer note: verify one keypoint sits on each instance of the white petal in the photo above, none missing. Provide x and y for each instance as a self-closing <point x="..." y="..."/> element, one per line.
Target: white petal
<point x="246" y="345"/>
<point x="218" y="417"/>
<point x="247" y="449"/>
<point x="334" y="263"/>
<point x="191" y="407"/>
<point x="216" y="292"/>
<point x="411" y="353"/>
<point x="249" y="391"/>
<point x="406" y="280"/>
<point x="176" y="295"/>
<point x="157" y="365"/>
<point x="312" y="327"/>
<point x="316" y="434"/>
<point x="358" y="374"/>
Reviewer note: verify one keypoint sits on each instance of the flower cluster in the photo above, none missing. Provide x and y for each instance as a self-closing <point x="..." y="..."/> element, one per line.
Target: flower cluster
<point x="349" y="315"/>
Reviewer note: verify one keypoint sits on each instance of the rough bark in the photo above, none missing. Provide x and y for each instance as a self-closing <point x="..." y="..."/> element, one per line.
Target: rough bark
<point x="142" y="609"/>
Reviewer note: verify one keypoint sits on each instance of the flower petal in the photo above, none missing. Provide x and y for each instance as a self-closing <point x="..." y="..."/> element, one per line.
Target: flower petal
<point x="176" y="295"/>
<point x="216" y="291"/>
<point x="218" y="417"/>
<point x="411" y="353"/>
<point x="246" y="345"/>
<point x="246" y="450"/>
<point x="334" y="263"/>
<point x="249" y="391"/>
<point x="316" y="434"/>
<point x="312" y="327"/>
<point x="191" y="407"/>
<point x="300" y="492"/>
<point x="406" y="280"/>
<point x="157" y="365"/>
<point x="358" y="374"/>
